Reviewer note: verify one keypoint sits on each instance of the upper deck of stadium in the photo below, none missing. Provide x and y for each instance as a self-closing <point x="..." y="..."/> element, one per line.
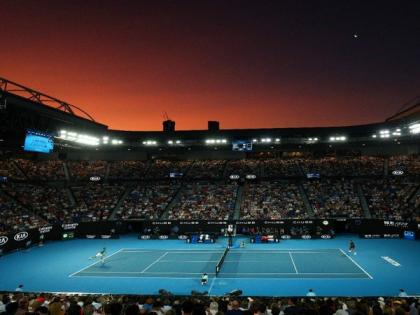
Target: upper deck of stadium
<point x="24" y="108"/>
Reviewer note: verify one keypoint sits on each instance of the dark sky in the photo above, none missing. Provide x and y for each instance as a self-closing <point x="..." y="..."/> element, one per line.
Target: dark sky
<point x="246" y="64"/>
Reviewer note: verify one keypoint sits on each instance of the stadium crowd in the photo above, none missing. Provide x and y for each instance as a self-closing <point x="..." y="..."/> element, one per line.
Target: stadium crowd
<point x="205" y="200"/>
<point x="18" y="303"/>
<point x="15" y="217"/>
<point x="275" y="168"/>
<point x="83" y="170"/>
<point x="148" y="201"/>
<point x="9" y="169"/>
<point x="207" y="169"/>
<point x="392" y="199"/>
<point x="127" y="170"/>
<point x="42" y="170"/>
<point x="333" y="198"/>
<point x="97" y="201"/>
<point x="272" y="200"/>
<point x="40" y="191"/>
<point x="334" y="167"/>
<point x="161" y="169"/>
<point x="50" y="203"/>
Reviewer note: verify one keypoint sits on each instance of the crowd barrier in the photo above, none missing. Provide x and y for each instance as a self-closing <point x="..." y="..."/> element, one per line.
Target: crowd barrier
<point x="181" y="229"/>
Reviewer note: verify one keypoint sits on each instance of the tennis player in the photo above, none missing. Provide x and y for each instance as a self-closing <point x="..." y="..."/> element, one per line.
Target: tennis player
<point x="204" y="279"/>
<point x="101" y="255"/>
<point x="352" y="247"/>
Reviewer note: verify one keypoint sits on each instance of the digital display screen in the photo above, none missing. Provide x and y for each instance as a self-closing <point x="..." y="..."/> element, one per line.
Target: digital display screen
<point x="241" y="145"/>
<point x="38" y="142"/>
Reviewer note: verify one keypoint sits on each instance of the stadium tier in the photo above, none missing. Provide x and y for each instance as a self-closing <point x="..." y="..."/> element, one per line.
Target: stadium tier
<point x="329" y="211"/>
<point x="359" y="187"/>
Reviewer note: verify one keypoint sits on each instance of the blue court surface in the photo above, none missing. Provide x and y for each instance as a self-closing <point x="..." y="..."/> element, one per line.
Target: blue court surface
<point x="380" y="268"/>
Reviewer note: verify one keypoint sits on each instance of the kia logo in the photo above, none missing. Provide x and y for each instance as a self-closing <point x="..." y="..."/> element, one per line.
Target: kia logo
<point x="234" y="176"/>
<point x="95" y="178"/>
<point x="3" y="240"/>
<point x="21" y="236"/>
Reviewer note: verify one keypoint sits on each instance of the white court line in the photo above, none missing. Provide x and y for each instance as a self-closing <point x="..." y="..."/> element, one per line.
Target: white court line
<point x="175" y="249"/>
<point x="170" y="250"/>
<point x="211" y="285"/>
<point x="323" y="250"/>
<point x="138" y="251"/>
<point x="229" y="273"/>
<point x="155" y="262"/>
<point x="293" y="273"/>
<point x="356" y="264"/>
<point x="215" y="261"/>
<point x="224" y="278"/>
<point x="191" y="261"/>
<point x="96" y="262"/>
<point x="232" y="250"/>
<point x="149" y="272"/>
<point x="293" y="262"/>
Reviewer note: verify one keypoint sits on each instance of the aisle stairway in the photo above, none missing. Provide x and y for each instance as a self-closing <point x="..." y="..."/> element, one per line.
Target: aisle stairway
<point x="306" y="202"/>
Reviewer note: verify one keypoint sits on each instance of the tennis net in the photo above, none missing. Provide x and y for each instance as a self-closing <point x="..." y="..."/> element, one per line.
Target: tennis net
<point x="222" y="259"/>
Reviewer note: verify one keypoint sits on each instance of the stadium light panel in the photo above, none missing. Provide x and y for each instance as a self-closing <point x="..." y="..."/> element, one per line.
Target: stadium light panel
<point x="150" y="142"/>
<point x="178" y="142"/>
<point x="213" y="141"/>
<point x="170" y="142"/>
<point x="414" y="128"/>
<point x="340" y="138"/>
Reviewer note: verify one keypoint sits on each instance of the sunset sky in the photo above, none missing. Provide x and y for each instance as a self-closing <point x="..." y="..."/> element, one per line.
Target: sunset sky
<point x="248" y="64"/>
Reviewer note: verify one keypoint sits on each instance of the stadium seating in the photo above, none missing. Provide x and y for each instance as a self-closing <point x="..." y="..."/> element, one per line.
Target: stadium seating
<point x="148" y="201"/>
<point x="334" y="198"/>
<point x="207" y="200"/>
<point x="38" y="192"/>
<point x="272" y="200"/>
<point x="15" y="217"/>
<point x="390" y="198"/>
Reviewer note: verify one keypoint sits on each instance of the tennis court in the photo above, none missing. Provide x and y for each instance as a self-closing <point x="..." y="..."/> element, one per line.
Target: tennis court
<point x="238" y="263"/>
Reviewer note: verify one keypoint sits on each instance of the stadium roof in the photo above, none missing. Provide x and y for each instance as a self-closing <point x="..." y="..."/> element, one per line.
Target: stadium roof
<point x="25" y="108"/>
